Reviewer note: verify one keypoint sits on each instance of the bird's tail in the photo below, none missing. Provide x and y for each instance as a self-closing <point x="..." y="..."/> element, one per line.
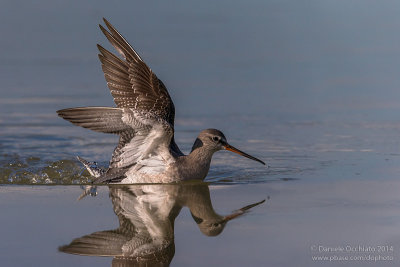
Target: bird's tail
<point x="101" y="175"/>
<point x="92" y="167"/>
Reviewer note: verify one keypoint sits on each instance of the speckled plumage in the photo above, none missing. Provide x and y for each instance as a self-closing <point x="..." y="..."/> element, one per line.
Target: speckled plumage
<point x="144" y="120"/>
<point x="146" y="215"/>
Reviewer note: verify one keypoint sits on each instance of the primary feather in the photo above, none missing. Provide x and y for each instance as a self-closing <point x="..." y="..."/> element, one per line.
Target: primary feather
<point x="144" y="121"/>
<point x="144" y="116"/>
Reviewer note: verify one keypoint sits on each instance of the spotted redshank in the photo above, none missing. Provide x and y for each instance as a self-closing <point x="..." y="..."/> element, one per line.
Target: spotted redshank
<point x="146" y="215"/>
<point x="144" y="120"/>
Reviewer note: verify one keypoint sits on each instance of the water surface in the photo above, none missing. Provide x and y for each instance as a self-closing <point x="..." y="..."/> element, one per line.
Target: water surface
<point x="309" y="87"/>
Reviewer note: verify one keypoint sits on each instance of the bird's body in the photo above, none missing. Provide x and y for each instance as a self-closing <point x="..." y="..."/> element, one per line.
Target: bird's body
<point x="144" y="120"/>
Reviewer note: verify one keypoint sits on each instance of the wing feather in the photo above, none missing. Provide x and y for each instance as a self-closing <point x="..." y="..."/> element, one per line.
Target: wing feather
<point x="99" y="119"/>
<point x="144" y="116"/>
<point x="146" y="92"/>
<point x="121" y="39"/>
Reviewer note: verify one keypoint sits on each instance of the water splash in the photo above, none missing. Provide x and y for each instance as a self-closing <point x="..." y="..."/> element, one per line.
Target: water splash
<point x="30" y="170"/>
<point x="15" y="169"/>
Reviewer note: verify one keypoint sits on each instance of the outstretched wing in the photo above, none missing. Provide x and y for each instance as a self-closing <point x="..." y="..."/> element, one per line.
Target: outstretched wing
<point x="144" y="116"/>
<point x="146" y="140"/>
<point x="147" y="108"/>
<point x="132" y="83"/>
<point x="99" y="119"/>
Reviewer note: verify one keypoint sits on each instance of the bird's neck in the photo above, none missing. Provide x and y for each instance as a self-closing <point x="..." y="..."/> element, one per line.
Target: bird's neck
<point x="200" y="153"/>
<point x="199" y="203"/>
<point x="201" y="156"/>
<point x="199" y="161"/>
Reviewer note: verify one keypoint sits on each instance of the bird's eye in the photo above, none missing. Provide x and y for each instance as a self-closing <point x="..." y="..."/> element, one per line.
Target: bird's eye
<point x="215" y="138"/>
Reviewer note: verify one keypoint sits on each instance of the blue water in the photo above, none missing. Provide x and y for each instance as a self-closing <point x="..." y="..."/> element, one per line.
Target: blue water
<point x="310" y="87"/>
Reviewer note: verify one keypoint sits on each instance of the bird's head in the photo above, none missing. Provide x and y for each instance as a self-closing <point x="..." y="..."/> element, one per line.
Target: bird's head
<point x="214" y="140"/>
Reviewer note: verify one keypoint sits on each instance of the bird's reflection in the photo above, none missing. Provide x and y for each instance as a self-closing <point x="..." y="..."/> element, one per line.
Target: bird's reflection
<point x="146" y="214"/>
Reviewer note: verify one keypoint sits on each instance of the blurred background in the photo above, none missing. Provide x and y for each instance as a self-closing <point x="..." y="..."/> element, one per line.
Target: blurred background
<point x="315" y="59"/>
<point x="310" y="87"/>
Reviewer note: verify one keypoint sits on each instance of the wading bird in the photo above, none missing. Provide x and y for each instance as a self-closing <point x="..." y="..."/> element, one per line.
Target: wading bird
<point x="144" y="120"/>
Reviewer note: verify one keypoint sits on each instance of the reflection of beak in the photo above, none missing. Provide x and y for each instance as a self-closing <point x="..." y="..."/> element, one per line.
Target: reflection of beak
<point x="241" y="211"/>
<point x="237" y="151"/>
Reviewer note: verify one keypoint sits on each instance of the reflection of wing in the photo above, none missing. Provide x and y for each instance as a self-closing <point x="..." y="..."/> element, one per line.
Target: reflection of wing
<point x="146" y="215"/>
<point x="105" y="243"/>
<point x="148" y="210"/>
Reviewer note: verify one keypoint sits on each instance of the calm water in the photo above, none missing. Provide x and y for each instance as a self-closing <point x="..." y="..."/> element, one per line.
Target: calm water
<point x="310" y="87"/>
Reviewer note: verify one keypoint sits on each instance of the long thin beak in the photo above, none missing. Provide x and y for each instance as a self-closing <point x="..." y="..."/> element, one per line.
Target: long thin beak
<point x="241" y="211"/>
<point x="237" y="151"/>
